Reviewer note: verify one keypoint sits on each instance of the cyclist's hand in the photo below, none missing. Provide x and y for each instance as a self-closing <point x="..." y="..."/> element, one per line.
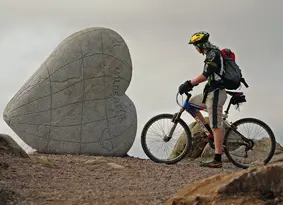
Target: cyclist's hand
<point x="185" y="87"/>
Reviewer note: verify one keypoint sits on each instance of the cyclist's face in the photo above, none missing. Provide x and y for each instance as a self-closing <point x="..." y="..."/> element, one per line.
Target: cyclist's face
<point x="198" y="49"/>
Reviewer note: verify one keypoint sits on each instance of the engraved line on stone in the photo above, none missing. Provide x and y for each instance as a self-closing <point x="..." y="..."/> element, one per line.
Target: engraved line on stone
<point x="74" y="36"/>
<point x="128" y="128"/>
<point x="50" y="111"/>
<point x="81" y="142"/>
<point x="90" y="78"/>
<point x="65" y="105"/>
<point x="63" y="66"/>
<point x="43" y="79"/>
<point x="62" y="90"/>
<point x="26" y="85"/>
<point x="115" y="58"/>
<point x="53" y="53"/>
<point x="98" y="141"/>
<point x="72" y="125"/>
<point x="89" y="55"/>
<point x="122" y="132"/>
<point x="82" y="109"/>
<point x="71" y="39"/>
<point x="63" y="81"/>
<point x="104" y="80"/>
<point x="28" y="89"/>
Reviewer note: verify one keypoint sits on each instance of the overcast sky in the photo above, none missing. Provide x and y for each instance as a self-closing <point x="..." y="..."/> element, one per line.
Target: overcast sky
<point x="156" y="32"/>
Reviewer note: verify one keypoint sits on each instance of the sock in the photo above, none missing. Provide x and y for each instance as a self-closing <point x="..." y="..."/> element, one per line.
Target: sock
<point x="217" y="157"/>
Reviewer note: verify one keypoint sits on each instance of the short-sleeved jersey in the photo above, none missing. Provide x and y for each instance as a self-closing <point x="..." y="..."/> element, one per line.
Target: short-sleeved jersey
<point x="212" y="69"/>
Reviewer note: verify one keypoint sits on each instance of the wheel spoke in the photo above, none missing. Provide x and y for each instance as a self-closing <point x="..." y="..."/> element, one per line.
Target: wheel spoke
<point x="160" y="148"/>
<point x="259" y="151"/>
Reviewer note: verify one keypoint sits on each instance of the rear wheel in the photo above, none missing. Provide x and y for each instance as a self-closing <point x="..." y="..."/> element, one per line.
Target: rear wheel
<point x="242" y="150"/>
<point x="154" y="132"/>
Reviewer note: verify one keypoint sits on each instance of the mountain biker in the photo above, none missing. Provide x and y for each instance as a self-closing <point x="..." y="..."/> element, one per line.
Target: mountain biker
<point x="214" y="94"/>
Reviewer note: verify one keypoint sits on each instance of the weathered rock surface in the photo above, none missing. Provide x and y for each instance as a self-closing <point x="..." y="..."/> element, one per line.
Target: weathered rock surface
<point x="261" y="185"/>
<point x="199" y="141"/>
<point x="201" y="149"/>
<point x="9" y="146"/>
<point x="75" y="103"/>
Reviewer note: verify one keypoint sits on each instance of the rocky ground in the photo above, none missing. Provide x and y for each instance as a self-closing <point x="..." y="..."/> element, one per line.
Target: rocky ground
<point x="66" y="179"/>
<point x="81" y="180"/>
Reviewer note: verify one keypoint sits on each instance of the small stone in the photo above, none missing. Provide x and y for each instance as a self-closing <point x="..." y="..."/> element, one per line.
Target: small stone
<point x="4" y="165"/>
<point x="95" y="161"/>
<point x="114" y="165"/>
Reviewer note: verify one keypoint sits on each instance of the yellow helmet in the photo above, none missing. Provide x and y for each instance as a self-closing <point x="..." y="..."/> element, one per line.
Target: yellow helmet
<point x="199" y="38"/>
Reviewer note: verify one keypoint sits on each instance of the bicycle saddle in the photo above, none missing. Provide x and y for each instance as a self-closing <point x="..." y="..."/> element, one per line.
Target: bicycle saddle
<point x="234" y="93"/>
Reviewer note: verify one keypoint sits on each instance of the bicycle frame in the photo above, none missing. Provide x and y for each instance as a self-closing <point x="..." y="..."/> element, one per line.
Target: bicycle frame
<point x="192" y="109"/>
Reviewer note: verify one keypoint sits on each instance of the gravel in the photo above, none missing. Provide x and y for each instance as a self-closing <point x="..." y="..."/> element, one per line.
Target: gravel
<point x="82" y="180"/>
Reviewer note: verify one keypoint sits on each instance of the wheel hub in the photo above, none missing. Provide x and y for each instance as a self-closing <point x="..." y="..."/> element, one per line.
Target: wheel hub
<point x="166" y="138"/>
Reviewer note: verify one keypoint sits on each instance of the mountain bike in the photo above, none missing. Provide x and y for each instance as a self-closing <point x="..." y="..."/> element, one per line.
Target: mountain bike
<point x="234" y="143"/>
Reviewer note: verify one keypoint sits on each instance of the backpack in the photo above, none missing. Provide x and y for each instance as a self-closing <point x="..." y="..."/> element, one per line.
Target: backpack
<point x="232" y="76"/>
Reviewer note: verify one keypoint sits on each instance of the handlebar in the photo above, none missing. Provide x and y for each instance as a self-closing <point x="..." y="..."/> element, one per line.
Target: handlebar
<point x="187" y="94"/>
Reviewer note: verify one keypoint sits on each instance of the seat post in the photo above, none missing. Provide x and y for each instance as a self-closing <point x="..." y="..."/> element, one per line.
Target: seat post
<point x="228" y="107"/>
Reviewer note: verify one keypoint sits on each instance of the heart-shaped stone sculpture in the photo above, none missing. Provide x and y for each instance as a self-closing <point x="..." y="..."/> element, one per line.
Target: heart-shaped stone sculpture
<point x="75" y="103"/>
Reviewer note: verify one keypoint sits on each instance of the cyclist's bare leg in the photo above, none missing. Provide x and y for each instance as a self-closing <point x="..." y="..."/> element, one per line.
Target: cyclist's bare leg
<point x="197" y="100"/>
<point x="215" y="102"/>
<point x="218" y="140"/>
<point x="200" y="116"/>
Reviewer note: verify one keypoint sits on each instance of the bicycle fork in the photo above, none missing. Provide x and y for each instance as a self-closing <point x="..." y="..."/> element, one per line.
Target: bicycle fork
<point x="175" y="119"/>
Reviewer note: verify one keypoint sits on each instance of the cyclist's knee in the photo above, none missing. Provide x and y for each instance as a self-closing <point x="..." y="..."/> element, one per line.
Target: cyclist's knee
<point x="196" y="99"/>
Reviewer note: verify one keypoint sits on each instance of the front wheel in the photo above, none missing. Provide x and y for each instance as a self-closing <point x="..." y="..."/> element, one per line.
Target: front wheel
<point x="242" y="150"/>
<point x="154" y="132"/>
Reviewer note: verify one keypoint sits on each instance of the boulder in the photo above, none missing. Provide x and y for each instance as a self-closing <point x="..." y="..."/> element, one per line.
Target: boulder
<point x="201" y="149"/>
<point x="261" y="185"/>
<point x="257" y="154"/>
<point x="75" y="102"/>
<point x="207" y="152"/>
<point x="199" y="141"/>
<point x="9" y="146"/>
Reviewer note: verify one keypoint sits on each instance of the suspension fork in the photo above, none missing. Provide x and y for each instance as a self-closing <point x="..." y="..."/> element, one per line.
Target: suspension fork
<point x="175" y="120"/>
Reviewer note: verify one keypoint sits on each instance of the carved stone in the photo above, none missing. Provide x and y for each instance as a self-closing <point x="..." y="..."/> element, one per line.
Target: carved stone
<point x="75" y="103"/>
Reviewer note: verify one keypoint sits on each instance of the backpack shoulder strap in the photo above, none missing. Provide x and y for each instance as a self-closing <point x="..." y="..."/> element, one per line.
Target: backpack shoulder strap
<point x="222" y="70"/>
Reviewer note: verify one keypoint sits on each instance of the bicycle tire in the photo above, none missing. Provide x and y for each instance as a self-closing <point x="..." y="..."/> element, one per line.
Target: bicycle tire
<point x="264" y="126"/>
<point x="151" y="156"/>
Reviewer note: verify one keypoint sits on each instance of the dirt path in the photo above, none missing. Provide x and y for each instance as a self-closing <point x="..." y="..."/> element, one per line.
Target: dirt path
<point x="65" y="179"/>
